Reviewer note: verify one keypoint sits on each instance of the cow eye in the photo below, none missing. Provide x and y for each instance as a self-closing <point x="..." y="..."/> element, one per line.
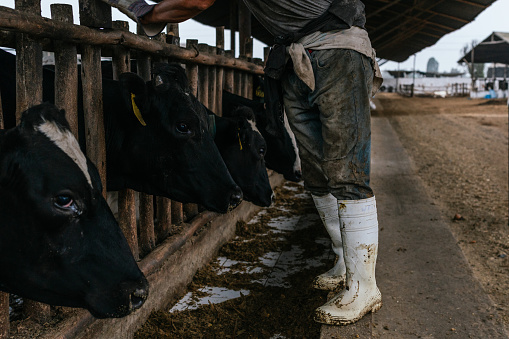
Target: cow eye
<point x="183" y="128"/>
<point x="63" y="201"/>
<point x="262" y="151"/>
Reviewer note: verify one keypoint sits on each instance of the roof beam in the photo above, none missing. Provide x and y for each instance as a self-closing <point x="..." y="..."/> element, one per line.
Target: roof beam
<point x="447" y="16"/>
<point x="472" y="3"/>
<point x="383" y="8"/>
<point x="398" y="17"/>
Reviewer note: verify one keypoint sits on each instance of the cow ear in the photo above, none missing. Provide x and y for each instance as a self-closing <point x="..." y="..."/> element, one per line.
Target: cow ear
<point x="161" y="82"/>
<point x="135" y="96"/>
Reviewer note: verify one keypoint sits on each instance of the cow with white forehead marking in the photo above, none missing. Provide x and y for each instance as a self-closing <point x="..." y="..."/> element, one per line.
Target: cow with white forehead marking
<point x="59" y="242"/>
<point x="243" y="150"/>
<point x="282" y="154"/>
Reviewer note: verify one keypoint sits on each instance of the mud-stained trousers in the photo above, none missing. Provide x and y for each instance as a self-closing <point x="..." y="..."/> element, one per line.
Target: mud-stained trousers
<point x="332" y="123"/>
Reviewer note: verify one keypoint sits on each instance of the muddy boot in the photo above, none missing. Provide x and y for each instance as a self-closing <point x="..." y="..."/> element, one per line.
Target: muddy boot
<point x="333" y="279"/>
<point x="359" y="230"/>
<point x="136" y="9"/>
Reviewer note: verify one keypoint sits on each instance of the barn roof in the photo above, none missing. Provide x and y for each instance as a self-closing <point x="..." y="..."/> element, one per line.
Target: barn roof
<point x="494" y="48"/>
<point x="397" y="28"/>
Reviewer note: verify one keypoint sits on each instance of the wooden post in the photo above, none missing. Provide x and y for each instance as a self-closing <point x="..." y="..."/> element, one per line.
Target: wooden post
<point x="163" y="205"/>
<point x="93" y="108"/>
<point x="29" y="93"/>
<point x="244" y="38"/>
<point x="237" y="83"/>
<point x="163" y="218"/>
<point x="244" y="28"/>
<point x="160" y="37"/>
<point x="198" y="81"/>
<point x="176" y="209"/>
<point x="203" y="75"/>
<point x="28" y="64"/>
<point x="66" y="70"/>
<point x="173" y="36"/>
<point x="212" y="82"/>
<point x="95" y="13"/>
<point x="147" y="229"/>
<point x="220" y="71"/>
<point x="147" y="233"/>
<point x="248" y="82"/>
<point x="121" y="62"/>
<point x="233" y="24"/>
<point x="192" y="69"/>
<point x="229" y="75"/>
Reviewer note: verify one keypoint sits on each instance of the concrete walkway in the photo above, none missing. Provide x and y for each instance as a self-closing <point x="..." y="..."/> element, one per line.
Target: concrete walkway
<point x="427" y="286"/>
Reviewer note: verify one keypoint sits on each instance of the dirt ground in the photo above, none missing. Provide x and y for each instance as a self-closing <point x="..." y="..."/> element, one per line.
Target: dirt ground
<point x="460" y="150"/>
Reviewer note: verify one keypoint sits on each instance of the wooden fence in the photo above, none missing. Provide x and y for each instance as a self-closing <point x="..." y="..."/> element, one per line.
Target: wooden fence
<point x="164" y="226"/>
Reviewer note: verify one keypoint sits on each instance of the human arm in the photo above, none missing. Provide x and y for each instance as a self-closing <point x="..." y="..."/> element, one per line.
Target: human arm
<point x="174" y="11"/>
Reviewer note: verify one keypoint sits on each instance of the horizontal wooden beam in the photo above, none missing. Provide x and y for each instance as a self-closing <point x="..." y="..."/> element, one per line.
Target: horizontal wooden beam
<point x="39" y="27"/>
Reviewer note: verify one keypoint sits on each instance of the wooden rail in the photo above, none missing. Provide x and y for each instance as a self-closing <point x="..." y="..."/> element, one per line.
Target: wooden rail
<point x="39" y="27"/>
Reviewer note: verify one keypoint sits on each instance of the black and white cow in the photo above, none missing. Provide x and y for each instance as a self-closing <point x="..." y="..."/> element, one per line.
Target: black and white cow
<point x="156" y="138"/>
<point x="59" y="242"/>
<point x="282" y="154"/>
<point x="158" y="141"/>
<point x="243" y="150"/>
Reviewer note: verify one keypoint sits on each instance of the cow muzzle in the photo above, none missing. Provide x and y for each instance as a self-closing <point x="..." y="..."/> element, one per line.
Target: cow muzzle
<point x="138" y="297"/>
<point x="235" y="197"/>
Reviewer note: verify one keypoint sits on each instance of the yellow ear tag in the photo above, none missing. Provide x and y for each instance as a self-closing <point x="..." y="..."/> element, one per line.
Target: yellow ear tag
<point x="240" y="143"/>
<point x="137" y="111"/>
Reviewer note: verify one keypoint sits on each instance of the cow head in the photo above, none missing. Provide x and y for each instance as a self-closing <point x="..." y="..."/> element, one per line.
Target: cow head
<point x="282" y="154"/>
<point x="166" y="150"/>
<point x="59" y="242"/>
<point x="243" y="150"/>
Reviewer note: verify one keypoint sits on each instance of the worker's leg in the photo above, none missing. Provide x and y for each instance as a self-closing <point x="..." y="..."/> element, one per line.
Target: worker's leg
<point x="304" y="119"/>
<point x="343" y="81"/>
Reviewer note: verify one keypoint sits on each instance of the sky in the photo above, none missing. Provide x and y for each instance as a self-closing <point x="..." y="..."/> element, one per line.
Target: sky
<point x="446" y="51"/>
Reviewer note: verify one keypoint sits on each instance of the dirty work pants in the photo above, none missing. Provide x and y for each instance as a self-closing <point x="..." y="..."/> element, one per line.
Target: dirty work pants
<point x="332" y="123"/>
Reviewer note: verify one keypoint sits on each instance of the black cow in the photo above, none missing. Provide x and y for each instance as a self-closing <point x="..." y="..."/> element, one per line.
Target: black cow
<point x="173" y="155"/>
<point x="282" y="154"/>
<point x="156" y="139"/>
<point x="243" y="150"/>
<point x="59" y="242"/>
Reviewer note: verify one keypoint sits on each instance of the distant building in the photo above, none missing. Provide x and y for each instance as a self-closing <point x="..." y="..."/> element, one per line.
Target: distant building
<point x="432" y="66"/>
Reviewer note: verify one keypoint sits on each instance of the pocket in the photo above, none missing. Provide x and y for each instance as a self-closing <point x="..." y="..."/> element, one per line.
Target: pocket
<point x="326" y="57"/>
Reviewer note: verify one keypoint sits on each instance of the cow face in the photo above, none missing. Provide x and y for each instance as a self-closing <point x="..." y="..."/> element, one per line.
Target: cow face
<point x="243" y="150"/>
<point x="167" y="150"/>
<point x="282" y="154"/>
<point x="59" y="242"/>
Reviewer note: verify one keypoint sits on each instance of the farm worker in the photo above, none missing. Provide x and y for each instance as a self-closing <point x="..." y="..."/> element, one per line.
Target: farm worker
<point x="323" y="70"/>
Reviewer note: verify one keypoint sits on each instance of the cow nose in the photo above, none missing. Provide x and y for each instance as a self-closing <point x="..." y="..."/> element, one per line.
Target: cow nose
<point x="138" y="297"/>
<point x="236" y="197"/>
<point x="298" y="175"/>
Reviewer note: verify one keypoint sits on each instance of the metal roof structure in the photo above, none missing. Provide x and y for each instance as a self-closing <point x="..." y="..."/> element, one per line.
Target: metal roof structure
<point x="494" y="48"/>
<point x="397" y="28"/>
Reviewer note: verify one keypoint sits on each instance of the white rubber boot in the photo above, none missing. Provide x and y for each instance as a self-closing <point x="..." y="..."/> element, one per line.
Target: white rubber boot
<point x="135" y="9"/>
<point x="359" y="230"/>
<point x="333" y="279"/>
